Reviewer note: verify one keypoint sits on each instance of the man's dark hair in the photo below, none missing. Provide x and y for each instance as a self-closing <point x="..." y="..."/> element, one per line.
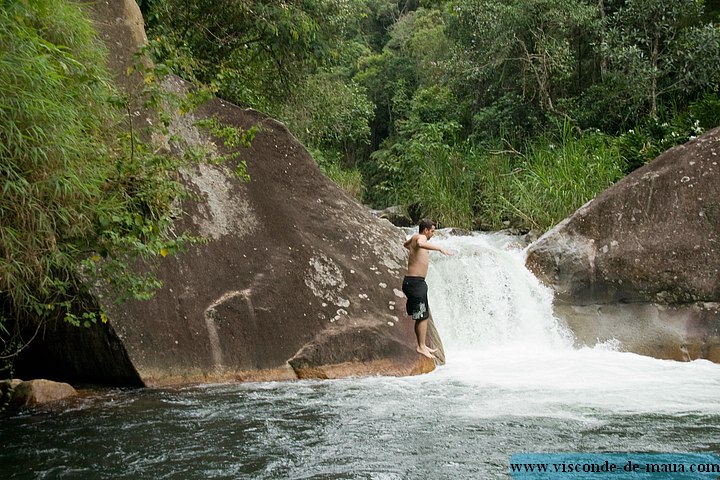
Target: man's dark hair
<point x="425" y="223"/>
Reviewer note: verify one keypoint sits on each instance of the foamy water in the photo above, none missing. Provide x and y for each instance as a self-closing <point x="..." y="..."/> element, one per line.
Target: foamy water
<point x="497" y="325"/>
<point x="513" y="383"/>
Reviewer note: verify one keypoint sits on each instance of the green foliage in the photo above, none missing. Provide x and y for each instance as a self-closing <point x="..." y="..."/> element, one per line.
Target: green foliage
<point x="470" y="187"/>
<point x="83" y="198"/>
<point x="331" y="117"/>
<point x="327" y="112"/>
<point x="507" y="117"/>
<point x="655" y="49"/>
<point x="425" y="166"/>
<point x="232" y="138"/>
<point x="649" y="139"/>
<point x="517" y="50"/>
<point x="252" y="51"/>
<point x="409" y="93"/>
<point x="349" y="179"/>
<point x="412" y="58"/>
<point x="558" y="175"/>
<point x="441" y="182"/>
<point x="706" y="110"/>
<point x="496" y="177"/>
<point x="54" y="152"/>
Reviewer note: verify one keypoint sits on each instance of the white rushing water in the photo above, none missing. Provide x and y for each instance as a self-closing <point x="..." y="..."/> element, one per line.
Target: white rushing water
<point x="499" y="332"/>
<point x="514" y="382"/>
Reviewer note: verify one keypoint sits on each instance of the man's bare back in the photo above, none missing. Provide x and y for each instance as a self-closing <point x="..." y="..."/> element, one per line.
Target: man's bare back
<point x="419" y="258"/>
<point x="419" y="248"/>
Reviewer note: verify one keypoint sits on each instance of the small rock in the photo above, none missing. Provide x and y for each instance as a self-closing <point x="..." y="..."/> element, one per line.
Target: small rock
<point x="37" y="392"/>
<point x="396" y="215"/>
<point x="6" y="389"/>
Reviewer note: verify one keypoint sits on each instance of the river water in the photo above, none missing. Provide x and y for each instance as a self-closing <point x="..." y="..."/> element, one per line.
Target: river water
<point x="513" y="383"/>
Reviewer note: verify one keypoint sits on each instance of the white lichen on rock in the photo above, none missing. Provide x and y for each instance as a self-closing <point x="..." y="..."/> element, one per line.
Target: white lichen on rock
<point x="224" y="213"/>
<point x="326" y="281"/>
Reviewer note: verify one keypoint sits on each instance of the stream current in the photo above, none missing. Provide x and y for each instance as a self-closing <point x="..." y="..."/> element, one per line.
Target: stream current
<point x="514" y="382"/>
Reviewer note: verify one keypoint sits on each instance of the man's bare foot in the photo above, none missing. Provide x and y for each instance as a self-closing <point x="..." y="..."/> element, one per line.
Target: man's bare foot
<point x="431" y="350"/>
<point x="425" y="352"/>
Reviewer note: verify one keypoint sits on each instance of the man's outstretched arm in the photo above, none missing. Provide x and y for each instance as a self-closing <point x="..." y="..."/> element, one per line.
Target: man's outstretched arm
<point x="423" y="243"/>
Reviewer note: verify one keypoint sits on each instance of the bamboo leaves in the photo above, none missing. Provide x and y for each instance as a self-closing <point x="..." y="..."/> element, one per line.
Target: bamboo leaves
<point x="77" y="205"/>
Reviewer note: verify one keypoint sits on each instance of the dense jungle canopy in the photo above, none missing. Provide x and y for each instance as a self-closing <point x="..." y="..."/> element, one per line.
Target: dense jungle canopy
<point x="478" y="113"/>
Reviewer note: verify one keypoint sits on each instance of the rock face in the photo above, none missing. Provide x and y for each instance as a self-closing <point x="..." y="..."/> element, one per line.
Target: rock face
<point x="121" y="27"/>
<point x="640" y="263"/>
<point x="296" y="280"/>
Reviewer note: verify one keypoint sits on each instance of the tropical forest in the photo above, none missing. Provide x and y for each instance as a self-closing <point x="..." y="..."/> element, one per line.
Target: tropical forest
<point x="478" y="113"/>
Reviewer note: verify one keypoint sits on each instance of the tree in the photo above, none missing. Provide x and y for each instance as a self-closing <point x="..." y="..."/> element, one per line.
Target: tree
<point x="253" y="51"/>
<point x="412" y="58"/>
<point x="520" y="48"/>
<point x="658" y="48"/>
<point x="326" y="112"/>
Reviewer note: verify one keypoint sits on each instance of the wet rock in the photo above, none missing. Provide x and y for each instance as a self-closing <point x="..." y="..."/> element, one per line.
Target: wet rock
<point x="457" y="232"/>
<point x="6" y="390"/>
<point x="358" y="348"/>
<point x="39" y="392"/>
<point x="640" y="262"/>
<point x="396" y="215"/>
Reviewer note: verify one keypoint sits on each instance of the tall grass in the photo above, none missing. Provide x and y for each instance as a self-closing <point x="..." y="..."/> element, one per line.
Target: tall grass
<point x="495" y="177"/>
<point x="444" y="188"/>
<point x="52" y="96"/>
<point x="558" y="175"/>
<point x="471" y="187"/>
<point x="436" y="176"/>
<point x="467" y="186"/>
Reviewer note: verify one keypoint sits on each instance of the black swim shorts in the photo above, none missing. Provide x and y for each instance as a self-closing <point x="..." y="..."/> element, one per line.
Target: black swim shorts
<point x="415" y="289"/>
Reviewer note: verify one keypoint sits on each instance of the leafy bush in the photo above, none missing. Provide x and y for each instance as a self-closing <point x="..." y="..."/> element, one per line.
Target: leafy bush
<point x="706" y="110"/>
<point x="349" y="180"/>
<point x="495" y="179"/>
<point x="327" y="113"/>
<point x="651" y="138"/>
<point x="507" y="117"/>
<point x="442" y="184"/>
<point x="80" y="198"/>
<point x="54" y="155"/>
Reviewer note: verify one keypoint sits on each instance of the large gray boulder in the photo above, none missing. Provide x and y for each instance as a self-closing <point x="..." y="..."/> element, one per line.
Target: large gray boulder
<point x="296" y="280"/>
<point x="640" y="263"/>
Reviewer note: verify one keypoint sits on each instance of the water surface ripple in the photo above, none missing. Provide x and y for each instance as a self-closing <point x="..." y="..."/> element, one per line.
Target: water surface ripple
<point x="513" y="383"/>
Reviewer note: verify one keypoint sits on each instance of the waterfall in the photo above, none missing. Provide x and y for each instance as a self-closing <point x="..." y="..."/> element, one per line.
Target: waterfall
<point x="483" y="297"/>
<point x="498" y="330"/>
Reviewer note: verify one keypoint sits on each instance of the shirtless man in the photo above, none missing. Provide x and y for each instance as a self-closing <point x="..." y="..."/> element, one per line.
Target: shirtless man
<point x="414" y="286"/>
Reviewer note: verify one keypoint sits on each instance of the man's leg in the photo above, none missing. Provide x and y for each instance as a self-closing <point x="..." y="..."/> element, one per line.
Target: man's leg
<point x="421" y="333"/>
